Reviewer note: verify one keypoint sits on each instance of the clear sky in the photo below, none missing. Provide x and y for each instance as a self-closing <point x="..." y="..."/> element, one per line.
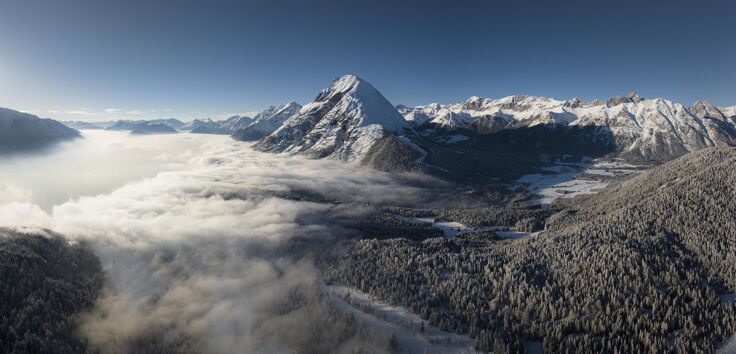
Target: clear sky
<point x="100" y="59"/>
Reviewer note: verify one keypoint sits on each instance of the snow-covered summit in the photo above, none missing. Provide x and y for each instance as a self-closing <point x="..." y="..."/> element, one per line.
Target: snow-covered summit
<point x="343" y="122"/>
<point x="363" y="103"/>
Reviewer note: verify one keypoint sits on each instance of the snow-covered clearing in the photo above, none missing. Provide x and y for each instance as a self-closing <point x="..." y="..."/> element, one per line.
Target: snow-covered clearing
<point x="548" y="187"/>
<point x="386" y="319"/>
<point x="513" y="234"/>
<point x="568" y="179"/>
<point x="451" y="228"/>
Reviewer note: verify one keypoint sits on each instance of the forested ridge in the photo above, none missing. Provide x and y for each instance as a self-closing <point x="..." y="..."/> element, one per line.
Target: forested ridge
<point x="646" y="266"/>
<point x="45" y="282"/>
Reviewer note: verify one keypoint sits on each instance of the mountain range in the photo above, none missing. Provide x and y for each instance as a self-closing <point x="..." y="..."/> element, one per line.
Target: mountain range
<point x="247" y="128"/>
<point x="266" y="122"/>
<point x="134" y="124"/>
<point x="656" y="129"/>
<point x="80" y="125"/>
<point x="352" y="121"/>
<point x="152" y="128"/>
<point x="228" y="126"/>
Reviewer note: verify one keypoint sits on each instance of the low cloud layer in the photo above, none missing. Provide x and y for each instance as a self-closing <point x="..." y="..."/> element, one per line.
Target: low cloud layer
<point x="188" y="252"/>
<point x="99" y="163"/>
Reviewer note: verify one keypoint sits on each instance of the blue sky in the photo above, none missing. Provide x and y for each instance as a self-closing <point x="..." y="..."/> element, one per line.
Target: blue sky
<point x="96" y="60"/>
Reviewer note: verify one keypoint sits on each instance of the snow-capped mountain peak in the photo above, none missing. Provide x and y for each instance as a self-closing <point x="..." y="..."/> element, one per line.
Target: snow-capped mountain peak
<point x="343" y="122"/>
<point x="363" y="103"/>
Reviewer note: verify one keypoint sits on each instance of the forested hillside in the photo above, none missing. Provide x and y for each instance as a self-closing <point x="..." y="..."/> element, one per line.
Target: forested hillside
<point x="45" y="282"/>
<point x="647" y="266"/>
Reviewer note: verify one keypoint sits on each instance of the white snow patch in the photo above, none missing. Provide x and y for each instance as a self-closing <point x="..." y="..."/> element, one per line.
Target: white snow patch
<point x="547" y="188"/>
<point x="449" y="228"/>
<point x="561" y="180"/>
<point x="513" y="234"/>
<point x="386" y="319"/>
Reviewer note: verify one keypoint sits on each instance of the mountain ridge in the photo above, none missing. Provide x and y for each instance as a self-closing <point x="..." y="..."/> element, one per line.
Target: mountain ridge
<point x="650" y="129"/>
<point x="23" y="131"/>
<point x="266" y="121"/>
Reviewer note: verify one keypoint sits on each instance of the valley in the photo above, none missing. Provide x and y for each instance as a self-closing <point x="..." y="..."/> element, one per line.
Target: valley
<point x="365" y="228"/>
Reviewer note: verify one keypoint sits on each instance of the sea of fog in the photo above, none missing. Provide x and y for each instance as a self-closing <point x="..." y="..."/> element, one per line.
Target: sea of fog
<point x="183" y="223"/>
<point x="98" y="163"/>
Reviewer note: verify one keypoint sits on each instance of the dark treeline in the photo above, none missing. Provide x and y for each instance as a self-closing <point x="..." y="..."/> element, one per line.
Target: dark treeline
<point x="646" y="266"/>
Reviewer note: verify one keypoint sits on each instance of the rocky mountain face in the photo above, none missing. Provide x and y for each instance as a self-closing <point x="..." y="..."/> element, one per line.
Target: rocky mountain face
<point x="344" y="122"/>
<point x="21" y="131"/>
<point x="267" y="121"/>
<point x="638" y="128"/>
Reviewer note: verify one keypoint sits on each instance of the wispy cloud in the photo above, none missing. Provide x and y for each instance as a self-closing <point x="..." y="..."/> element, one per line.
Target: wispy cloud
<point x="111" y="110"/>
<point x="82" y="112"/>
<point x="136" y="112"/>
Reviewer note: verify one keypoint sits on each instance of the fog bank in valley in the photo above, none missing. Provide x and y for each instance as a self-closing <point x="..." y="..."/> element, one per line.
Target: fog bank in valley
<point x="192" y="254"/>
<point x="97" y="163"/>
